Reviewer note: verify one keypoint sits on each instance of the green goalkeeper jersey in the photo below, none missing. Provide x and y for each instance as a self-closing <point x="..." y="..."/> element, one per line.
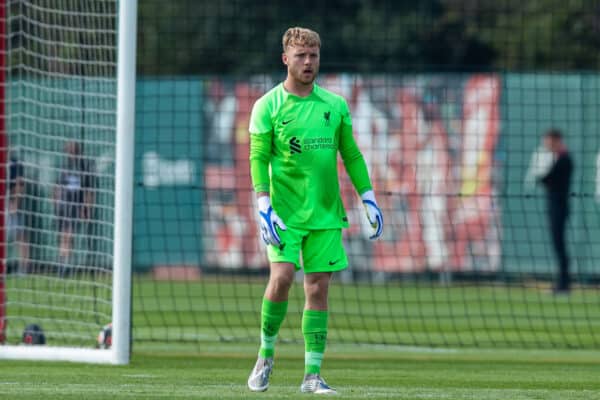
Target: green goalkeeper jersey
<point x="299" y="138"/>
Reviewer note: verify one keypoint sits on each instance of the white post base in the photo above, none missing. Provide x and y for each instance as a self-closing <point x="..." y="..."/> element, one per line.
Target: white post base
<point x="72" y="354"/>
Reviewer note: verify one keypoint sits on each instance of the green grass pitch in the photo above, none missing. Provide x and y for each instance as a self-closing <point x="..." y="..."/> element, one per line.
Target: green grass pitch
<point x="471" y="327"/>
<point x="484" y="315"/>
<point x="364" y="372"/>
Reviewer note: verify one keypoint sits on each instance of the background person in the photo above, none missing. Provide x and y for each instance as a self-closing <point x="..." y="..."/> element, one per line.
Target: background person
<point x="74" y="197"/>
<point x="557" y="182"/>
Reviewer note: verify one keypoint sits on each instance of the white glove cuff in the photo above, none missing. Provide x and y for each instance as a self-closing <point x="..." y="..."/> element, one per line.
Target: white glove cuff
<point x="368" y="195"/>
<point x="264" y="202"/>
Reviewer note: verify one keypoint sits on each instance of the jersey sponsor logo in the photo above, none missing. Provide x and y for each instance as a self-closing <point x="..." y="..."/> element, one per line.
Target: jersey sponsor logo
<point x="286" y="122"/>
<point x="309" y="144"/>
<point x="319" y="143"/>
<point x="295" y="146"/>
<point x="327" y="116"/>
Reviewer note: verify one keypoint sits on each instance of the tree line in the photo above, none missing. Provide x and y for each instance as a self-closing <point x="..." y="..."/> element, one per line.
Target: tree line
<point x="369" y="36"/>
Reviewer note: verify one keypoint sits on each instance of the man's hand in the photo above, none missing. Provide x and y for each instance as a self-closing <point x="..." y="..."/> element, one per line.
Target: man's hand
<point x="269" y="222"/>
<point x="373" y="213"/>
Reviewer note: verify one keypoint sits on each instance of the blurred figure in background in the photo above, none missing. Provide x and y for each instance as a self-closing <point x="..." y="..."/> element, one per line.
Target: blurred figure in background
<point x="557" y="181"/>
<point x="23" y="217"/>
<point x="74" y="197"/>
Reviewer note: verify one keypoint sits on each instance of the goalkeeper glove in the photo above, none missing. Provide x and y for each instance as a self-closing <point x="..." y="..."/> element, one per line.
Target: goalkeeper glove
<point x="373" y="213"/>
<point x="269" y="222"/>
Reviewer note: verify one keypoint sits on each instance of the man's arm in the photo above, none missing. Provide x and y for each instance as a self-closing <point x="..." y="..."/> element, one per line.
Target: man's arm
<point x="553" y="174"/>
<point x="354" y="160"/>
<point x="57" y="193"/>
<point x="359" y="175"/>
<point x="549" y="176"/>
<point x="261" y="142"/>
<point x="260" y="158"/>
<point x="89" y="188"/>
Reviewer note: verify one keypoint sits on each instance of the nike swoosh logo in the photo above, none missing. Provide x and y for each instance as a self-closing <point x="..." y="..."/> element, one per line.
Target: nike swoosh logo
<point x="333" y="262"/>
<point x="286" y="122"/>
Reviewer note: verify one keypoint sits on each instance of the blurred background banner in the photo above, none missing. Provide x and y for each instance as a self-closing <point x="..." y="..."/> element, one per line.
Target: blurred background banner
<point x="452" y="153"/>
<point x="425" y="139"/>
<point x="168" y="172"/>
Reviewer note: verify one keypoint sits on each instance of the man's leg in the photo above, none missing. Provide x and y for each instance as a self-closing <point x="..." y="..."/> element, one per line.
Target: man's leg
<point x="23" y="253"/>
<point x="274" y="306"/>
<point x="314" y="329"/>
<point x="323" y="253"/>
<point x="274" y="309"/>
<point x="558" y="226"/>
<point x="314" y="319"/>
<point x="64" y="254"/>
<point x="285" y="260"/>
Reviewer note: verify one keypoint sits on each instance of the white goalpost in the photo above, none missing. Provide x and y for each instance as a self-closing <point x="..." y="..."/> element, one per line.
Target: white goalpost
<point x="124" y="181"/>
<point x="67" y="144"/>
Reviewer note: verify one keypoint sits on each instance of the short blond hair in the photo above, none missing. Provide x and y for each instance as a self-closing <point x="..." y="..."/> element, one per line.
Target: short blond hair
<point x="298" y="36"/>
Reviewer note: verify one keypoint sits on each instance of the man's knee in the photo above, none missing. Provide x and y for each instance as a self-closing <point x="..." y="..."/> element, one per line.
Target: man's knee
<point x="316" y="286"/>
<point x="281" y="282"/>
<point x="281" y="278"/>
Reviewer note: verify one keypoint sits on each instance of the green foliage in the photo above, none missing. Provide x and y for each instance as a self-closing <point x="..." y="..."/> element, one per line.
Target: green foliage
<point x="243" y="36"/>
<point x="543" y="34"/>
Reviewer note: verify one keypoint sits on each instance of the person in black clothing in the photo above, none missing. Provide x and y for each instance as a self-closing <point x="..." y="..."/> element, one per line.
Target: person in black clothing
<point x="75" y="197"/>
<point x="557" y="181"/>
<point x="18" y="234"/>
<point x="23" y="222"/>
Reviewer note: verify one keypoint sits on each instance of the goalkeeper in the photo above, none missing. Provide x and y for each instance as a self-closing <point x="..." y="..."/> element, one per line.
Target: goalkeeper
<point x="297" y="129"/>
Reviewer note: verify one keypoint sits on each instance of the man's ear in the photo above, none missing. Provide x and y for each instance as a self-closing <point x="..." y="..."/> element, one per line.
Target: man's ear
<point x="284" y="58"/>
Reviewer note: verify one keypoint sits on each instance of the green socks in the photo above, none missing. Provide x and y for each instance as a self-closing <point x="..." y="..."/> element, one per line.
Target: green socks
<point x="314" y="329"/>
<point x="272" y="316"/>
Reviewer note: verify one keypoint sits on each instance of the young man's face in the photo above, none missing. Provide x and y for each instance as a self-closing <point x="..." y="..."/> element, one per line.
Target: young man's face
<point x="302" y="62"/>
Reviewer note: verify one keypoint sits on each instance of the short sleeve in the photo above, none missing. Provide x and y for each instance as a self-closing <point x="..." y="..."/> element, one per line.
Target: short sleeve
<point x="260" y="118"/>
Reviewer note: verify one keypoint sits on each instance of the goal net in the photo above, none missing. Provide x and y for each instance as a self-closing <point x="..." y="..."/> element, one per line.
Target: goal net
<point x="449" y="102"/>
<point x="60" y="96"/>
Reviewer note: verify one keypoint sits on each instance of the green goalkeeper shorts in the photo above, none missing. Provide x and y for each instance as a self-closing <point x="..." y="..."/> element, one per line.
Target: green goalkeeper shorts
<point x="321" y="250"/>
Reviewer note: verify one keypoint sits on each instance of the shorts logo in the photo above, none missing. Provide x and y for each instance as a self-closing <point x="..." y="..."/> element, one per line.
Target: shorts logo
<point x="327" y="115"/>
<point x="295" y="146"/>
<point x="286" y="122"/>
<point x="334" y="262"/>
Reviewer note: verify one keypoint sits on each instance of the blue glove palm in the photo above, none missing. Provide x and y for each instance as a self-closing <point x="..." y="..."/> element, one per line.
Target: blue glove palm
<point x="374" y="214"/>
<point x="269" y="222"/>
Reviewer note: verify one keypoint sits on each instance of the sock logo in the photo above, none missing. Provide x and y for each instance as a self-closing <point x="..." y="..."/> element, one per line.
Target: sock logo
<point x="316" y="338"/>
<point x="269" y="329"/>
